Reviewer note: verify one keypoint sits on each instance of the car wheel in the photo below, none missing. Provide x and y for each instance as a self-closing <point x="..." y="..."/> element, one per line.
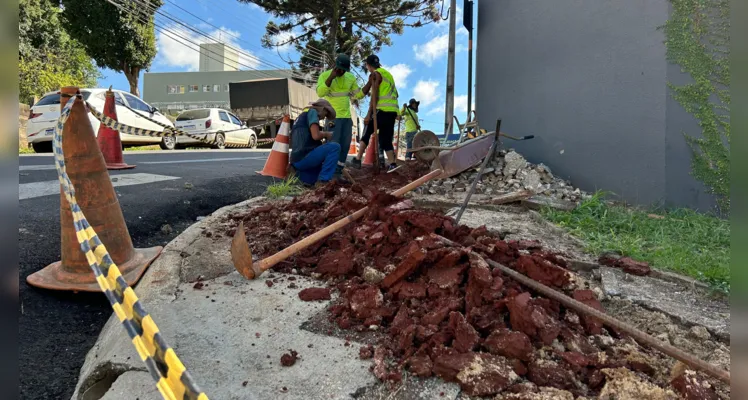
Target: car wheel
<point x="252" y="141"/>
<point x="220" y="141"/>
<point x="43" y="147"/>
<point x="168" y="143"/>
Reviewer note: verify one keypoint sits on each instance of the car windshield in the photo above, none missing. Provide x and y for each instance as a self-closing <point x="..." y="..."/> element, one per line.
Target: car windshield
<point x="52" y="99"/>
<point x="193" y="114"/>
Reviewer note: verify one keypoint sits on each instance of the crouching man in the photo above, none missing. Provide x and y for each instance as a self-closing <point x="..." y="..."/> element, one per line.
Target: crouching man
<point x="312" y="160"/>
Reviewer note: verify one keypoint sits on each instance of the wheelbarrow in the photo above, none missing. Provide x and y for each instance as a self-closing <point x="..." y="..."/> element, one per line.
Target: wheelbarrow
<point x="456" y="158"/>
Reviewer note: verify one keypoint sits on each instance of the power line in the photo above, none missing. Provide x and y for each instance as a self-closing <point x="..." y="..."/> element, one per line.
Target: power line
<point x="174" y="35"/>
<point x="199" y="32"/>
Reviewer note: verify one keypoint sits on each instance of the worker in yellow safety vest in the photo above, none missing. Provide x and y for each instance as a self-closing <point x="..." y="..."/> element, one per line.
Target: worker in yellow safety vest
<point x="410" y="114"/>
<point x="384" y="95"/>
<point x="339" y="87"/>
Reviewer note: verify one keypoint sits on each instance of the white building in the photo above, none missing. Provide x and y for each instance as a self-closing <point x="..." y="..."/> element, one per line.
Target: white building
<point x="218" y="57"/>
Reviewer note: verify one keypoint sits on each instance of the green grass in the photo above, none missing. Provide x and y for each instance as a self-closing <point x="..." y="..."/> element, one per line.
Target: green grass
<point x="682" y="241"/>
<point x="25" y="150"/>
<point x="288" y="187"/>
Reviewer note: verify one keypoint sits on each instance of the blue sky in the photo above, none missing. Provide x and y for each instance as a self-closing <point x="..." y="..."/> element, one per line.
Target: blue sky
<point x="417" y="58"/>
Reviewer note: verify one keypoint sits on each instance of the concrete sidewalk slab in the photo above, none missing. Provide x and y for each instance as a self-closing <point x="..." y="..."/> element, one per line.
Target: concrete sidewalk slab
<point x="231" y="333"/>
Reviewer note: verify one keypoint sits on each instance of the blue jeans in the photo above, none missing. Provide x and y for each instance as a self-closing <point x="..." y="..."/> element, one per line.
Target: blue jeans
<point x="319" y="164"/>
<point x="341" y="134"/>
<point x="409" y="143"/>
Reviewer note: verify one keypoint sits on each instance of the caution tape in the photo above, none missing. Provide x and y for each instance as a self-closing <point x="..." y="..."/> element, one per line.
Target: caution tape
<point x="172" y="378"/>
<point x="168" y="131"/>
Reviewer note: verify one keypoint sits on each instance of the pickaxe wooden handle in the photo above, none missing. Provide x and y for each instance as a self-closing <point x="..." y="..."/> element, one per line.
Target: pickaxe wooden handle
<point x="242" y="256"/>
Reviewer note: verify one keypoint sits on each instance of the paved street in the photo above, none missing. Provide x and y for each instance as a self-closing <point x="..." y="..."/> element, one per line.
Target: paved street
<point x="57" y="329"/>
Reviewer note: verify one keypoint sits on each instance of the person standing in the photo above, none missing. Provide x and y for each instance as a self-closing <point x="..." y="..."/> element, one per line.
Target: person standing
<point x="384" y="95"/>
<point x="339" y="87"/>
<point x="310" y="159"/>
<point x="410" y="114"/>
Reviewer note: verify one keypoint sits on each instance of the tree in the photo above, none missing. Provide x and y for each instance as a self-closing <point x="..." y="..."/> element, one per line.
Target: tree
<point x="354" y="27"/>
<point x="47" y="57"/>
<point x="121" y="39"/>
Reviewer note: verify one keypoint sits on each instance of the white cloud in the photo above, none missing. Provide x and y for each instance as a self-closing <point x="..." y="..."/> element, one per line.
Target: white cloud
<point x="178" y="47"/>
<point x="461" y="104"/>
<point x="437" y="47"/>
<point x="425" y="92"/>
<point x="436" y="110"/>
<point x="400" y="73"/>
<point x="284" y="37"/>
<point x="431" y="50"/>
<point x="460" y="107"/>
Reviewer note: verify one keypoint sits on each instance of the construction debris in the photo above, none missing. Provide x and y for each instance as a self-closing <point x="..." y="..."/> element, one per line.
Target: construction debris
<point x="444" y="311"/>
<point x="507" y="173"/>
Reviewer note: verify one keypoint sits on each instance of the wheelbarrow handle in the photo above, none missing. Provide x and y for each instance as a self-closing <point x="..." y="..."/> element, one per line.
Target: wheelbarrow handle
<point x="517" y="138"/>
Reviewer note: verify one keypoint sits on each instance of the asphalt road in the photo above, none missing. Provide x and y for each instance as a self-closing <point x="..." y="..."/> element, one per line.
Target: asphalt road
<point x="56" y="329"/>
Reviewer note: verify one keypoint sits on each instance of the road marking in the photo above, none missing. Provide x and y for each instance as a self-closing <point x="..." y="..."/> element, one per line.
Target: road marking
<point x="47" y="188"/>
<point x="198" y="161"/>
<point x="51" y="167"/>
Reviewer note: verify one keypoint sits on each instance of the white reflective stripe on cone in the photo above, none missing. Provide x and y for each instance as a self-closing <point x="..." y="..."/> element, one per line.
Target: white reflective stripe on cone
<point x="280" y="147"/>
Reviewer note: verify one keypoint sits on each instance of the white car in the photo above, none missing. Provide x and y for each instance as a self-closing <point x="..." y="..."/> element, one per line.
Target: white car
<point x="214" y="124"/>
<point x="44" y="114"/>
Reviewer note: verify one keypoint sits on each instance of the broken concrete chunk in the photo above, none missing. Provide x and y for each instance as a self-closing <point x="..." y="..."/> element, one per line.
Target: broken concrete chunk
<point x="621" y="383"/>
<point x="478" y="374"/>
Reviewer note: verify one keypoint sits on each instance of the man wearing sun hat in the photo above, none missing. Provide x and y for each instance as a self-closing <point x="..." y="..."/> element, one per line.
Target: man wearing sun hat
<point x="313" y="156"/>
<point x="339" y="87"/>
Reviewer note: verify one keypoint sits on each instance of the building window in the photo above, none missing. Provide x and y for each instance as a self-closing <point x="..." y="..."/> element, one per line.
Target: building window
<point x="225" y="87"/>
<point x="207" y="88"/>
<point x="194" y="88"/>
<point x="216" y="88"/>
<point x="175" y="89"/>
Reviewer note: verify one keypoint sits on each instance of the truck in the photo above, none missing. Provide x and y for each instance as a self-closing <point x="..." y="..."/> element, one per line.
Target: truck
<point x="262" y="103"/>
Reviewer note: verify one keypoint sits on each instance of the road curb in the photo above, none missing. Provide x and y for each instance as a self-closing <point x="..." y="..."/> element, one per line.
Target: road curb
<point x="157" y="285"/>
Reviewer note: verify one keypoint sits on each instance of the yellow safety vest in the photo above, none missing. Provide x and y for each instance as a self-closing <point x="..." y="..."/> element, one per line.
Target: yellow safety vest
<point x="341" y="90"/>
<point x="387" y="100"/>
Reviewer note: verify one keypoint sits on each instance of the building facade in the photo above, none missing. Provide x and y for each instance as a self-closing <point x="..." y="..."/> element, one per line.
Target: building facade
<point x="218" y="57"/>
<point x="172" y="92"/>
<point x="589" y="79"/>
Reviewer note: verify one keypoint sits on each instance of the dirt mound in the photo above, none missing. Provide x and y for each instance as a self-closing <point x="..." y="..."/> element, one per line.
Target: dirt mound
<point x="443" y="310"/>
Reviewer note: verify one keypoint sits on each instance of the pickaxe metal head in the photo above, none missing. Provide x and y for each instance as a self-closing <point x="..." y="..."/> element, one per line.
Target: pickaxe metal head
<point x="241" y="255"/>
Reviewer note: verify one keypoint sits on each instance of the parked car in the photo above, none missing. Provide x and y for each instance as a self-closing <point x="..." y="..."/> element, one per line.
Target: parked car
<point x="44" y="114"/>
<point x="214" y="124"/>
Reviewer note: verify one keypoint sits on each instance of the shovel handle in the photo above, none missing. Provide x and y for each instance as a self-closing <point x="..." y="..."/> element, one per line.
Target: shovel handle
<point x="269" y="262"/>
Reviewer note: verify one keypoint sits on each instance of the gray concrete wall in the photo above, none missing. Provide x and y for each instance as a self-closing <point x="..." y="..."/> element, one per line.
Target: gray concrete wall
<point x="588" y="78"/>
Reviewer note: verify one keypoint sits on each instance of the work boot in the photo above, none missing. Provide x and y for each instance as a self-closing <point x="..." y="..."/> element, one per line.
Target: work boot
<point x="391" y="167"/>
<point x="356" y="163"/>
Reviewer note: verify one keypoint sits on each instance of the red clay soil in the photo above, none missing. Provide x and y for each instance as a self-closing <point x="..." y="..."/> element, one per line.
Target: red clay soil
<point x="444" y="310"/>
<point x="288" y="360"/>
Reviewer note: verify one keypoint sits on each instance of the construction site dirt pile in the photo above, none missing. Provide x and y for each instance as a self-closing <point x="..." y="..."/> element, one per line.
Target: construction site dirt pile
<point x="444" y="311"/>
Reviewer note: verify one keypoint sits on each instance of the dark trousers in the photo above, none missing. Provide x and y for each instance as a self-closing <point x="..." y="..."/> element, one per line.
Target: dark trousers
<point x="319" y="164"/>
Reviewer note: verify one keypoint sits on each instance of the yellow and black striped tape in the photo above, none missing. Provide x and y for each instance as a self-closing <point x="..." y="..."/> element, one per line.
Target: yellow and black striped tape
<point x="167" y="132"/>
<point x="172" y="378"/>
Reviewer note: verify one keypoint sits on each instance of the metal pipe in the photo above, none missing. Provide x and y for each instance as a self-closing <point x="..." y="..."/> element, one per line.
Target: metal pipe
<point x="489" y="156"/>
<point x="580" y="307"/>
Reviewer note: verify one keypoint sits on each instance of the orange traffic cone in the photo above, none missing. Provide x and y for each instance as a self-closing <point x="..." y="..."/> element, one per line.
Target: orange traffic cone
<point x="371" y="150"/>
<point x="352" y="150"/>
<point x="108" y="139"/>
<point x="277" y="163"/>
<point x="94" y="192"/>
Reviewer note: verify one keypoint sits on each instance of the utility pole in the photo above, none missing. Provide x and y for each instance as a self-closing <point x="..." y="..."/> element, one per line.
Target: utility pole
<point x="467" y="21"/>
<point x="449" y="107"/>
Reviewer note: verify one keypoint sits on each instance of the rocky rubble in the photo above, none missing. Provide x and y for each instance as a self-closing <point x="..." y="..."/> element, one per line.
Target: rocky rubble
<point x="508" y="172"/>
<point x="441" y="308"/>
